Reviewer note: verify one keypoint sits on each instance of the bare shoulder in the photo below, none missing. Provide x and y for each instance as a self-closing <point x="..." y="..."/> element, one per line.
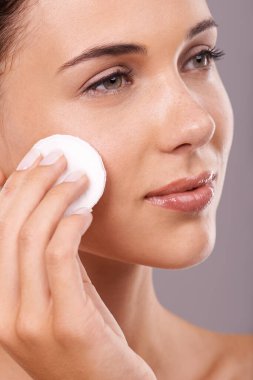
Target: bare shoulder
<point x="211" y="355"/>
<point x="234" y="359"/>
<point x="240" y="349"/>
<point x="9" y="369"/>
<point x="224" y="356"/>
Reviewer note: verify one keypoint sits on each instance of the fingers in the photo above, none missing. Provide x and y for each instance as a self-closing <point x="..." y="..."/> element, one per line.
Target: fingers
<point x="65" y="280"/>
<point x="3" y="178"/>
<point x="24" y="190"/>
<point x="9" y="281"/>
<point x="40" y="247"/>
<point x="21" y="193"/>
<point x="33" y="242"/>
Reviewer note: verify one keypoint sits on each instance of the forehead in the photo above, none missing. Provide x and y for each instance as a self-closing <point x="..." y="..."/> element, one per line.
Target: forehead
<point x="58" y="30"/>
<point x="73" y="22"/>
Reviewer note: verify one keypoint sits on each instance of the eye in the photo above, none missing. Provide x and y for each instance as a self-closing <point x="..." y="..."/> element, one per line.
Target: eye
<point x="204" y="58"/>
<point x="110" y="84"/>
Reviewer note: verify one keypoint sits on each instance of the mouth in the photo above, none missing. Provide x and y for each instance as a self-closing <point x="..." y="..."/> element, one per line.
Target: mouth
<point x="189" y="194"/>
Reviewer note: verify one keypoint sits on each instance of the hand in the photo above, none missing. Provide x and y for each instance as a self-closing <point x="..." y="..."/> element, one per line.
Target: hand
<point x="53" y="322"/>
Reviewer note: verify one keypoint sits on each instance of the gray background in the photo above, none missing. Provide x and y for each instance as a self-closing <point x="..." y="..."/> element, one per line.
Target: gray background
<point x="218" y="294"/>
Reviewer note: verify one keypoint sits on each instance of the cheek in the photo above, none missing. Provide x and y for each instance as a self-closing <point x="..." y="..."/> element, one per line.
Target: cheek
<point x="220" y="109"/>
<point x="224" y="135"/>
<point x="218" y="104"/>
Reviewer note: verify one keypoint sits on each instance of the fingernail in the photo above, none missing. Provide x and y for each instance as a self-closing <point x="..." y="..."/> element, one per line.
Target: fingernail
<point x="88" y="218"/>
<point x="82" y="210"/>
<point x="74" y="176"/>
<point x="51" y="158"/>
<point x="29" y="159"/>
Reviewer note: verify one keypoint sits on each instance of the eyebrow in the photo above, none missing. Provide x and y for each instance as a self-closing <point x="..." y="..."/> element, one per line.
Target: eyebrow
<point x="119" y="49"/>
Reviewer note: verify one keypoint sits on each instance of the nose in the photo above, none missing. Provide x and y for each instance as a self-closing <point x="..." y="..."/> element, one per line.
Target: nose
<point x="181" y="123"/>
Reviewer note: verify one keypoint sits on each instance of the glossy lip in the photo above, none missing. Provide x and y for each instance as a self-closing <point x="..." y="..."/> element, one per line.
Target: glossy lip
<point x="185" y="184"/>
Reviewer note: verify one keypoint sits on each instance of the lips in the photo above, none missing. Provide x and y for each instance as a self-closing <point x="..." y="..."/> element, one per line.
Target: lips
<point x="185" y="184"/>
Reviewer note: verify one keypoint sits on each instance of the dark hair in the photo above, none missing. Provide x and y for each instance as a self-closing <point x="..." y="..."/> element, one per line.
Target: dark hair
<point x="11" y="12"/>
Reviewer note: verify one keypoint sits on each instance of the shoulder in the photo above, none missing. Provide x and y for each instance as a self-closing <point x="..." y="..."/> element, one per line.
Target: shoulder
<point x="213" y="355"/>
<point x="233" y="358"/>
<point x="240" y="349"/>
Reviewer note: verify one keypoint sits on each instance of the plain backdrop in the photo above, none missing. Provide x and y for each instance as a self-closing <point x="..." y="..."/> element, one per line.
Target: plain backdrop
<point x="218" y="294"/>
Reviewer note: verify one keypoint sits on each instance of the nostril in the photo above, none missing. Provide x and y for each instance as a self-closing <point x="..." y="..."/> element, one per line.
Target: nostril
<point x="186" y="144"/>
<point x="183" y="147"/>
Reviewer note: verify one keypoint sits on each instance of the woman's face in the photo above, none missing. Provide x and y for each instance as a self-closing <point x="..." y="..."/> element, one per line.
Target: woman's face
<point x="171" y="118"/>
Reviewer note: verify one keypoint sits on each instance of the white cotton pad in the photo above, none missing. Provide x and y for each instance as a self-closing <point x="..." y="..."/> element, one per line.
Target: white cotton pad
<point x="80" y="155"/>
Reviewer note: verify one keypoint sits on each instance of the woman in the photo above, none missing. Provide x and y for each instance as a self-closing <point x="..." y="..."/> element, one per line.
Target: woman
<point x="154" y="107"/>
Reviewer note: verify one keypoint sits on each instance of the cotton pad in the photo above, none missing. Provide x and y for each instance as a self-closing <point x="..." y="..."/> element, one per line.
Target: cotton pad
<point x="80" y="155"/>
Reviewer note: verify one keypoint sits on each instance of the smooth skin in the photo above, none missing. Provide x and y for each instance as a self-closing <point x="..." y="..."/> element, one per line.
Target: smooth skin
<point x="172" y="119"/>
<point x="42" y="286"/>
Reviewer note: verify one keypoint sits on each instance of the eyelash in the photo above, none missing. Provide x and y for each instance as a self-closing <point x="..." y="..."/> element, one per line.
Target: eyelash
<point x="212" y="54"/>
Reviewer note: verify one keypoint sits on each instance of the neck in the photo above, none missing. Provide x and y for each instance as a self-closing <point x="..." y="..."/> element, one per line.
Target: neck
<point x="161" y="338"/>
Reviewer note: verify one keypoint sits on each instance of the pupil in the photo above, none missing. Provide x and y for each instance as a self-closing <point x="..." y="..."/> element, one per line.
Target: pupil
<point x="112" y="81"/>
<point x="200" y="58"/>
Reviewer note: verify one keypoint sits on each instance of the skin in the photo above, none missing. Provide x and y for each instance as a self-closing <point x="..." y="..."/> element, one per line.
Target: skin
<point x="174" y="120"/>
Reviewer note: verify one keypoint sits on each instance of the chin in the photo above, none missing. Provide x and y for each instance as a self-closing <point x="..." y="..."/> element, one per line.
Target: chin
<point x="189" y="246"/>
